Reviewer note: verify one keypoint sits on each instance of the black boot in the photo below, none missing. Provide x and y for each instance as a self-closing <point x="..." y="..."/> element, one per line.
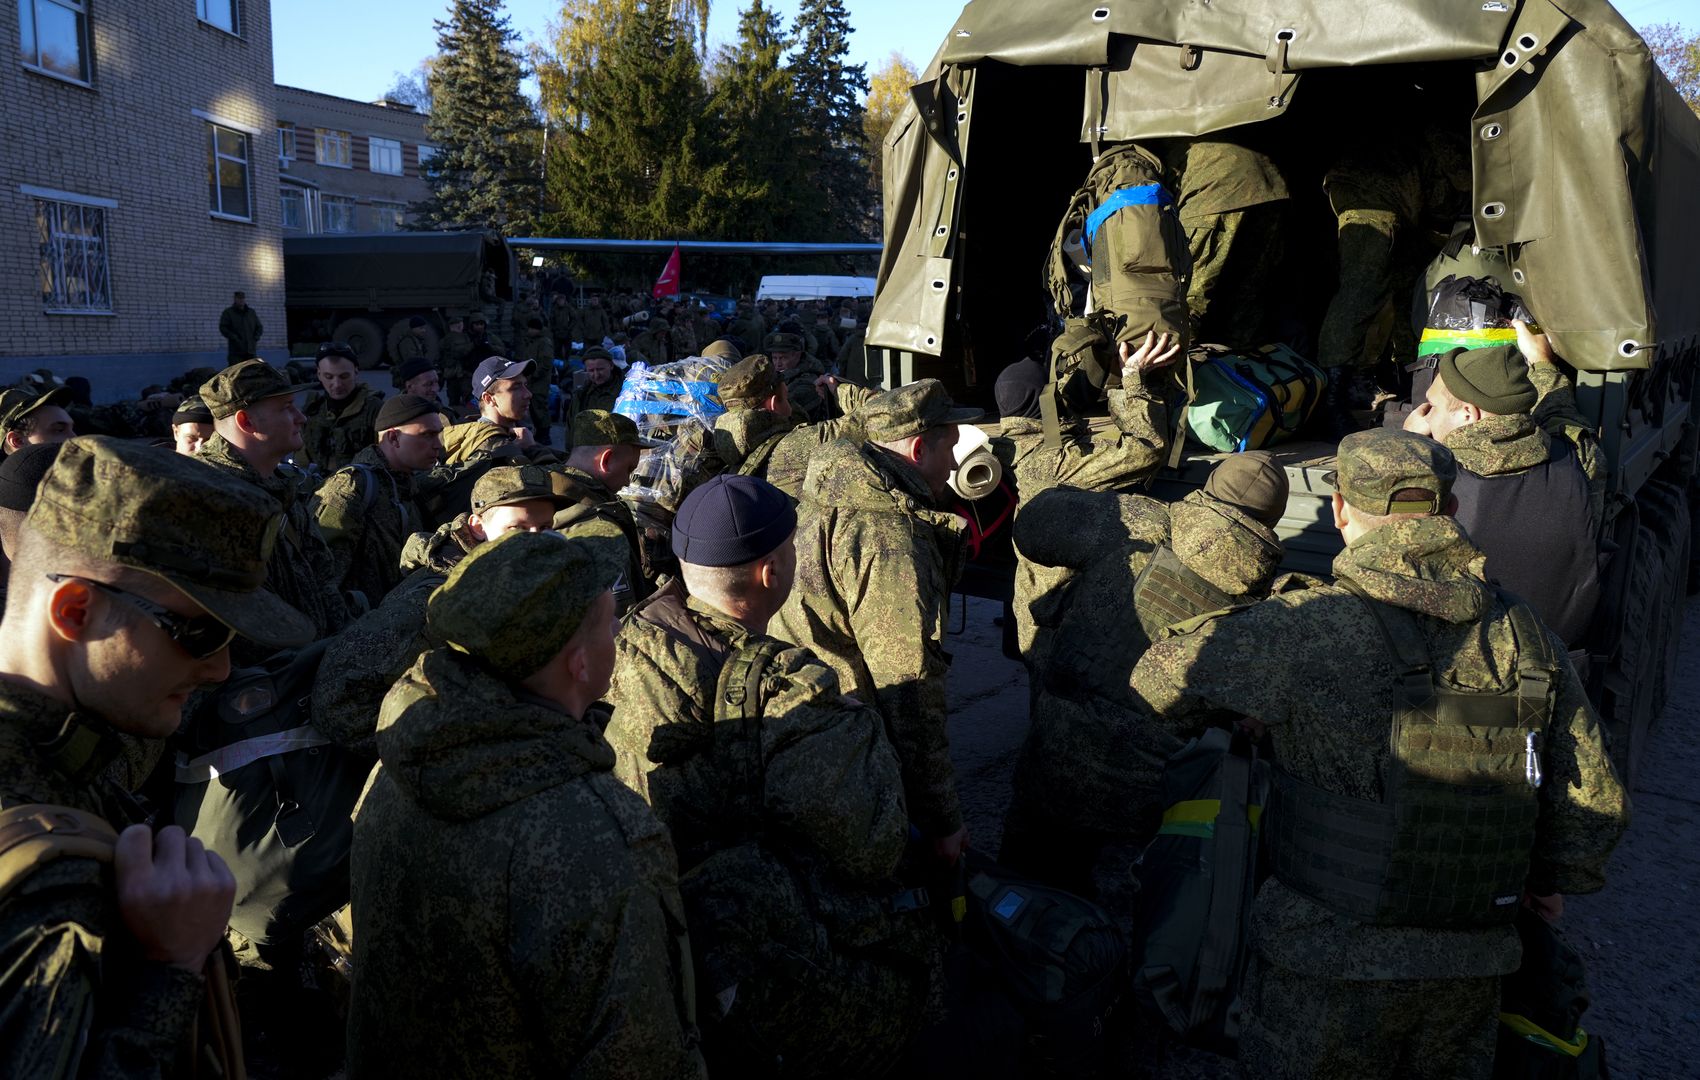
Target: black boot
<point x="1337" y="418"/>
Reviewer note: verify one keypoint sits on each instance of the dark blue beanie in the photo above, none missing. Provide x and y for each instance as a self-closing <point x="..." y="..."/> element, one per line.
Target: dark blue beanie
<point x="732" y="520"/>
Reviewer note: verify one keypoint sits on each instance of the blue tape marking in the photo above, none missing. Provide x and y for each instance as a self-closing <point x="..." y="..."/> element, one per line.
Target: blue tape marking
<point x="1143" y="195"/>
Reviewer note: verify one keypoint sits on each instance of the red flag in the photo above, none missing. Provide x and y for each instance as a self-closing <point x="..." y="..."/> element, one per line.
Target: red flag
<point x="668" y="283"/>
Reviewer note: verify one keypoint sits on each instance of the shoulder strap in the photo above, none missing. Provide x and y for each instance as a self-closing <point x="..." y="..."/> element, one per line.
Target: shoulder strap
<point x="1405" y="643"/>
<point x="738" y="700"/>
<point x="1537" y="666"/>
<point x="35" y="834"/>
<point x="756" y="460"/>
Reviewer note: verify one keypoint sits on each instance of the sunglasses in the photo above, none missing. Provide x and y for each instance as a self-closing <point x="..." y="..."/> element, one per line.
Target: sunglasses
<point x="336" y="348"/>
<point x="200" y="636"/>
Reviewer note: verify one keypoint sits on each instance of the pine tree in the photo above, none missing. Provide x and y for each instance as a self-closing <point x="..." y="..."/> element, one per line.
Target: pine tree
<point x="829" y="101"/>
<point x="485" y="172"/>
<point x="757" y="123"/>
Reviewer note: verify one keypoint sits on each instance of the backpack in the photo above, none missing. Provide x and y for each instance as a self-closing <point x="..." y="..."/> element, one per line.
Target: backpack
<point x="1197" y="879"/>
<point x="1250" y="400"/>
<point x="1541" y="1007"/>
<point x="1059" y="958"/>
<point x="257" y="783"/>
<point x="35" y="834"/>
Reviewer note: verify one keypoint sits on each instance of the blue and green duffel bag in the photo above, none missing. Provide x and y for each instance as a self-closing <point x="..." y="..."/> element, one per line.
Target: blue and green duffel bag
<point x="1252" y="399"/>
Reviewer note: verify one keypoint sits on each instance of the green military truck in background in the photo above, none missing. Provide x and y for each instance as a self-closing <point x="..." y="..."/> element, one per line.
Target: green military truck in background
<point x="1585" y="170"/>
<point x="363" y="288"/>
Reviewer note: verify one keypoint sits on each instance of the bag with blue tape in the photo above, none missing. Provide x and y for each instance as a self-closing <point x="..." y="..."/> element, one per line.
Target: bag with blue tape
<point x="1250" y="399"/>
<point x="1060" y="959"/>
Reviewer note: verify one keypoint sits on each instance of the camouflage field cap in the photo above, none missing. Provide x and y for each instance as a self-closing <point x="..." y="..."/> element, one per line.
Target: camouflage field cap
<point x="18" y="402"/>
<point x="752" y="379"/>
<point x="148" y="508"/>
<point x="1495" y="379"/>
<point x="1376" y="465"/>
<point x="1253" y="482"/>
<point x="722" y="349"/>
<point x="599" y="427"/>
<point x="784" y="343"/>
<point x="192" y="410"/>
<point x="506" y="485"/>
<point x="514" y="603"/>
<point x="241" y="385"/>
<point x="911" y="410"/>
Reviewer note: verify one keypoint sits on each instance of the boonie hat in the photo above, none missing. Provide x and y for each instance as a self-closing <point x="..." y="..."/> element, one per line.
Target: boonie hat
<point x="732" y="520"/>
<point x="496" y="368"/>
<point x="599" y="427"/>
<point x="1252" y="482"/>
<point x="514" y="603"/>
<point x="505" y="485"/>
<point x="241" y="385"/>
<point x="21" y="474"/>
<point x="911" y="410"/>
<point x="1377" y="464"/>
<point x="754" y="378"/>
<point x="147" y="508"/>
<point x="1494" y="379"/>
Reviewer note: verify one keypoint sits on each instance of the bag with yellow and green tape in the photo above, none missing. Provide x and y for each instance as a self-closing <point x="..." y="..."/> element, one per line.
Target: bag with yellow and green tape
<point x="1541" y="1006"/>
<point x="1465" y="313"/>
<point x="1197" y="879"/>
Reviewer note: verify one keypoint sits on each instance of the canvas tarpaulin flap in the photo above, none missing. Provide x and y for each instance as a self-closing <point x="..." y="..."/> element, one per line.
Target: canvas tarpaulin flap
<point x="1167" y="91"/>
<point x="924" y="155"/>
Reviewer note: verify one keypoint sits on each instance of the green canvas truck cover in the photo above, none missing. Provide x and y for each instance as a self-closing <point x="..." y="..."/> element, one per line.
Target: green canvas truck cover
<point x="1586" y="162"/>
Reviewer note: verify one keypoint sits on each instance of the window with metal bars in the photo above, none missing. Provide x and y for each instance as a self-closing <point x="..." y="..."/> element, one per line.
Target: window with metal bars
<point x="74" y="278"/>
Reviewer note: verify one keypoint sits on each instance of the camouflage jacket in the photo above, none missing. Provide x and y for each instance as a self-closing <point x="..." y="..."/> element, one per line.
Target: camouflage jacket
<point x="302" y="571"/>
<point x="335" y="434"/>
<point x="1218" y="176"/>
<point x="409" y="346"/>
<point x="1090" y="756"/>
<point x="800" y="386"/>
<point x="1115" y="461"/>
<point x="1311" y="665"/>
<point x="598" y="509"/>
<point x="75" y="998"/>
<point x="456" y="355"/>
<point x="591" y="396"/>
<point x="366" y="514"/>
<point x="497" y="865"/>
<point x="876" y="561"/>
<point x="379" y="646"/>
<point x="463" y="442"/>
<point x="755" y="442"/>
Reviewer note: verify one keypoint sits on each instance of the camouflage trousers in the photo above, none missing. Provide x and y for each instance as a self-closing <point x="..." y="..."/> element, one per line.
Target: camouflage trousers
<point x="1235" y="257"/>
<point x="1365" y="321"/>
<point x="1304" y="1027"/>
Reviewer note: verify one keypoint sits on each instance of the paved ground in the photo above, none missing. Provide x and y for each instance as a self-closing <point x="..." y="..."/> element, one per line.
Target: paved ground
<point x="1640" y="937"/>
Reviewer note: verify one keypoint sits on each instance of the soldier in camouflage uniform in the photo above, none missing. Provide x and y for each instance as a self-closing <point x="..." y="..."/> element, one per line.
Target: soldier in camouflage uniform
<point x="20" y="476"/>
<point x="516" y="909"/>
<point x="484" y="343"/>
<point x="366" y="511"/>
<point x="538" y="347"/>
<point x="594" y="324"/>
<point x="761" y="435"/>
<point x="191" y="426"/>
<point x="103" y="965"/>
<point x="1232" y="201"/>
<point x="606" y="447"/>
<point x="749" y="327"/>
<point x="340" y="418"/>
<point x="1090" y="769"/>
<point x="602" y="383"/>
<point x="28" y="417"/>
<point x="790" y="830"/>
<point x="799" y="372"/>
<point x="876" y="560"/>
<point x="504" y="406"/>
<point x="410" y="346"/>
<point x="1390" y="964"/>
<point x="1106" y="462"/>
<point x="684" y="336"/>
<point x="256" y="426"/>
<point x="379" y="647"/>
<point x="458" y="361"/>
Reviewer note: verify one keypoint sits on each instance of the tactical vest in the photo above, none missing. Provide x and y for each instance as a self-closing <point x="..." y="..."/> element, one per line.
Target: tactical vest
<point x="1449" y="845"/>
<point x="1535" y="529"/>
<point x="1167" y="592"/>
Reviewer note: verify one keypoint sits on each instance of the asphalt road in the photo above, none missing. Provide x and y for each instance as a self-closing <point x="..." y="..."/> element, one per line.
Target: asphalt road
<point x="1640" y="937"/>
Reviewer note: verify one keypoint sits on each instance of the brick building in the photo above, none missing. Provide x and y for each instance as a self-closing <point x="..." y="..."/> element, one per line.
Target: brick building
<point x="138" y="186"/>
<point x="346" y="166"/>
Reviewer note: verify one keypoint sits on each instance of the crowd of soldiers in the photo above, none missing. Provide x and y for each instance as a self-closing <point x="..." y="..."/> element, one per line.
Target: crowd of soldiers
<point x="645" y="819"/>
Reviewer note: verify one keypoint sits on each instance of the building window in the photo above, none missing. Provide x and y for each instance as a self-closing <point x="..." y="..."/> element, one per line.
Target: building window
<point x="227" y="173"/>
<point x="219" y="13"/>
<point x="336" y="213"/>
<point x="387" y="217"/>
<point x="73" y="258"/>
<point x="386" y="156"/>
<point x="426" y="153"/>
<point x="293" y="202"/>
<point x="333" y="148"/>
<point x="56" y="37"/>
<point x="285" y="144"/>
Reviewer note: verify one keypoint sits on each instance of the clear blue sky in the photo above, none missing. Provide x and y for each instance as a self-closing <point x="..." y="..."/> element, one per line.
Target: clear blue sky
<point x="354" y="49"/>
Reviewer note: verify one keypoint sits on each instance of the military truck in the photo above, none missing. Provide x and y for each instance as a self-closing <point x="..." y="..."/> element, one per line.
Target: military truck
<point x="1585" y="168"/>
<point x="363" y="288"/>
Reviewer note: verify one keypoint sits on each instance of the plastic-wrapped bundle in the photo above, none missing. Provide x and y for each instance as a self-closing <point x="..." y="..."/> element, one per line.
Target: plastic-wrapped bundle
<point x="678" y="404"/>
<point x="1470" y="313"/>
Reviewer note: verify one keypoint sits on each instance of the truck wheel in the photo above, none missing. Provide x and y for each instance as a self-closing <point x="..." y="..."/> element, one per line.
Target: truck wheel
<point x="364" y="337"/>
<point x="399" y="329"/>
